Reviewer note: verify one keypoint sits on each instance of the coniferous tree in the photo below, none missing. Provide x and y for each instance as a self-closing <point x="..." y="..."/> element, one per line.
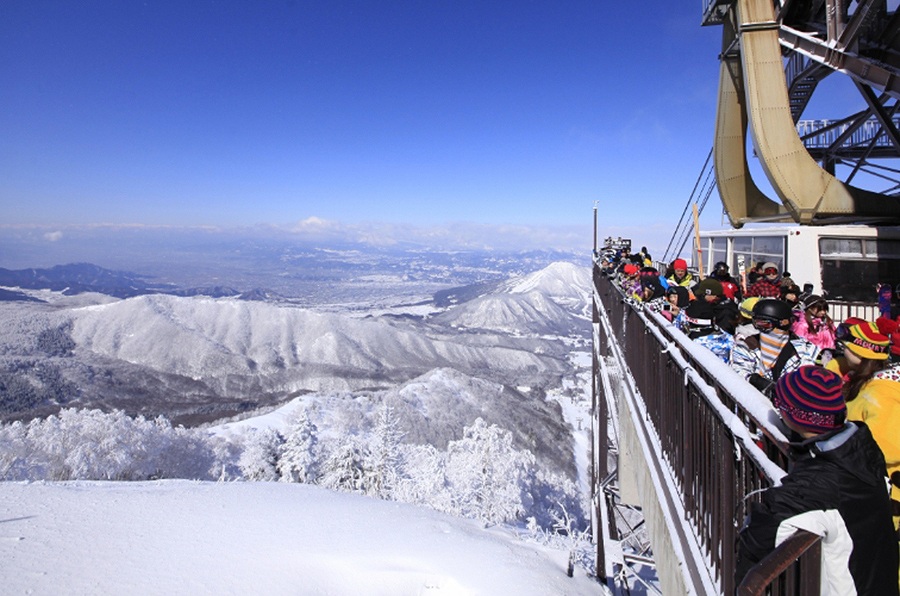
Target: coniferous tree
<point x="488" y="476"/>
<point x="384" y="462"/>
<point x="344" y="468"/>
<point x="298" y="462"/>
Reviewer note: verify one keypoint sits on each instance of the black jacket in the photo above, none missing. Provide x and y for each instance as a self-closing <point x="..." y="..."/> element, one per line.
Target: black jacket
<point x="840" y="471"/>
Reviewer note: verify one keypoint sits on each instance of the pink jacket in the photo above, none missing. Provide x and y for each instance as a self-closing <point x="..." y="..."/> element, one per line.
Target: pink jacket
<point x="821" y="335"/>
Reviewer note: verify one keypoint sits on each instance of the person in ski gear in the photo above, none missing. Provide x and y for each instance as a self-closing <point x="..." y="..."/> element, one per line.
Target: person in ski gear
<point x="768" y="284"/>
<point x="835" y="489"/>
<point x="730" y="286"/>
<point x="680" y="275"/>
<point x="871" y="387"/>
<point x="813" y="323"/>
<point x="762" y="358"/>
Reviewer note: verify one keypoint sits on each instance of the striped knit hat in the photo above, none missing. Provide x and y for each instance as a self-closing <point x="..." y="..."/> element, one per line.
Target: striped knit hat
<point x="865" y="340"/>
<point x="810" y="397"/>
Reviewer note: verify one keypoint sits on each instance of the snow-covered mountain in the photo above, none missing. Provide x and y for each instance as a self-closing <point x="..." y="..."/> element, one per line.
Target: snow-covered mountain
<point x="565" y="283"/>
<point x="214" y="339"/>
<point x="552" y="301"/>
<point x="199" y="358"/>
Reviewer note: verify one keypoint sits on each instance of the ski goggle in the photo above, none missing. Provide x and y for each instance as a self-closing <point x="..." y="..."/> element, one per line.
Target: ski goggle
<point x="770" y="271"/>
<point x="764" y="324"/>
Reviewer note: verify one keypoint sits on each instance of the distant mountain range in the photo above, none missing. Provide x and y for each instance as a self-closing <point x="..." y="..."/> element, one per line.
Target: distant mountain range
<point x="78" y="278"/>
<point x="155" y="350"/>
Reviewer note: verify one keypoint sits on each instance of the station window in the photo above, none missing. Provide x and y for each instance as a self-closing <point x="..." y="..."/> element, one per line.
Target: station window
<point x="759" y="249"/>
<point x="719" y="252"/>
<point x="853" y="267"/>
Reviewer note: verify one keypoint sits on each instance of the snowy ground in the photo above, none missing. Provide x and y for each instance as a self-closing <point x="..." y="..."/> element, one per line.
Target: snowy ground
<point x="183" y="537"/>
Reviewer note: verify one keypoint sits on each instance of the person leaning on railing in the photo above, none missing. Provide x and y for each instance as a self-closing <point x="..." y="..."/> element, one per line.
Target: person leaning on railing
<point x="835" y="489"/>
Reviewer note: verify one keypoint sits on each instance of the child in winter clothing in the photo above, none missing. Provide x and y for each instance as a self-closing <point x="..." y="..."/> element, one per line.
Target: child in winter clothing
<point x="872" y="390"/>
<point x="813" y="323"/>
<point x="762" y="358"/>
<point x="835" y="488"/>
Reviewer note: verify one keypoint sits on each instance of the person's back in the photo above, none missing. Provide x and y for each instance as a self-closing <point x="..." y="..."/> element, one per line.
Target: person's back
<point x="835" y="488"/>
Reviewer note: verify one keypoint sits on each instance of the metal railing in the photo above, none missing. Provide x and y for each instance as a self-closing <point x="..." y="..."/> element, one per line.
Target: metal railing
<point x="777" y="572"/>
<point x="822" y="134"/>
<point x="719" y="455"/>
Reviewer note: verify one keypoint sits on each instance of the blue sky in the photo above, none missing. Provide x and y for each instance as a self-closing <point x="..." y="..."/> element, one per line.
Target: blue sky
<point x="423" y="113"/>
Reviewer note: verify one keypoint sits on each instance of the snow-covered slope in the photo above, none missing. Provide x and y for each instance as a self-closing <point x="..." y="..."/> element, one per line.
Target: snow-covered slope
<point x="552" y="301"/>
<point x="214" y="338"/>
<point x="435" y="407"/>
<point x="566" y="283"/>
<point x="180" y="537"/>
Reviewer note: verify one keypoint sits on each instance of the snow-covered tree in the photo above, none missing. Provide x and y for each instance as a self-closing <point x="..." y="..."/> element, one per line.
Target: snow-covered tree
<point x="425" y="478"/>
<point x="299" y="456"/>
<point x="384" y="461"/>
<point x="344" y="467"/>
<point x="259" y="459"/>
<point x="93" y="445"/>
<point x="489" y="478"/>
<point x="14" y="454"/>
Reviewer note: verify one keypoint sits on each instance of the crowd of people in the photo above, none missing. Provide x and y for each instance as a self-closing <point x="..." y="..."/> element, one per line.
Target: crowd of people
<point x="836" y="387"/>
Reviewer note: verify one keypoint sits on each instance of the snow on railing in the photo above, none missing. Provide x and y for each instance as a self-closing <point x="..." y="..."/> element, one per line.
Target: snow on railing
<point x="718" y="438"/>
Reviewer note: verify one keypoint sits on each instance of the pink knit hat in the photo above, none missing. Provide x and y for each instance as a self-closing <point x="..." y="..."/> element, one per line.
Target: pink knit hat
<point x="811" y="398"/>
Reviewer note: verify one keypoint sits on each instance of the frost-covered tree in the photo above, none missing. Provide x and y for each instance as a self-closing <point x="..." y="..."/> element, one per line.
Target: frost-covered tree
<point x="259" y="459"/>
<point x="93" y="445"/>
<point x="14" y="453"/>
<point x="425" y="478"/>
<point x="298" y="462"/>
<point x="344" y="467"/>
<point x="57" y="341"/>
<point x="384" y="459"/>
<point x="488" y="477"/>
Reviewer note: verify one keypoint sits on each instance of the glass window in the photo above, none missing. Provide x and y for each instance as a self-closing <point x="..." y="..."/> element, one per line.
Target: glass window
<point x="743" y="244"/>
<point x="856" y="280"/>
<point x="886" y="249"/>
<point x="719" y="252"/>
<point x="844" y="247"/>
<point x="769" y="245"/>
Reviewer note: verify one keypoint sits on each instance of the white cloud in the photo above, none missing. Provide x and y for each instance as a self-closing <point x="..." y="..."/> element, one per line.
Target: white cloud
<point x="53" y="236"/>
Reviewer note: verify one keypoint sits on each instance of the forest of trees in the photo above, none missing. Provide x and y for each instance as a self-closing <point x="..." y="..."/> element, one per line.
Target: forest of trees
<point x="481" y="475"/>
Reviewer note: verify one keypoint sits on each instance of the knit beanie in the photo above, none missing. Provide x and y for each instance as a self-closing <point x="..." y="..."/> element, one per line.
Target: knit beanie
<point x="810" y="397"/>
<point x="679" y="264"/>
<point x="865" y="340"/>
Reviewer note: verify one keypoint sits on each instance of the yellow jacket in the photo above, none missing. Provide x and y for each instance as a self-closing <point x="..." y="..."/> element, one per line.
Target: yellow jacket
<point x="878" y="405"/>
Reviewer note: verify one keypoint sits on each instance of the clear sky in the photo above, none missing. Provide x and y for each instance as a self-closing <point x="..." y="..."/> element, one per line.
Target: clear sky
<point x="421" y="112"/>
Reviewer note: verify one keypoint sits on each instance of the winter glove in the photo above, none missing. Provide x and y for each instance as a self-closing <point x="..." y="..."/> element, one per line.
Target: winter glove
<point x="764" y="385"/>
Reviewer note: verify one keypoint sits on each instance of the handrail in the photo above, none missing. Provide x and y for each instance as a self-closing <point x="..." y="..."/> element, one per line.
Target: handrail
<point x="717" y="442"/>
<point x="767" y="572"/>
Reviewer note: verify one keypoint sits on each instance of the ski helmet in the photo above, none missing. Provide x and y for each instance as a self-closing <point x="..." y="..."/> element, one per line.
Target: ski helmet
<point x="776" y="312"/>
